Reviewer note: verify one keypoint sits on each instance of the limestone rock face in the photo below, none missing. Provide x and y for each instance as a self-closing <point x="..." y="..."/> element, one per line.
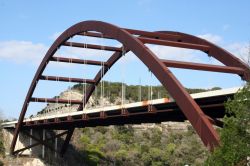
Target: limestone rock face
<point x="53" y="108"/>
<point x="71" y="94"/>
<point x="23" y="161"/>
<point x="33" y="162"/>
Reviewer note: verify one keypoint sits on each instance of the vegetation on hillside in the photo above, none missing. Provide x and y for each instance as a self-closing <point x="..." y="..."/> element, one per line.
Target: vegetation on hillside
<point x="235" y="136"/>
<point x="123" y="145"/>
<point x="112" y="90"/>
<point x="133" y="93"/>
<point x="157" y="146"/>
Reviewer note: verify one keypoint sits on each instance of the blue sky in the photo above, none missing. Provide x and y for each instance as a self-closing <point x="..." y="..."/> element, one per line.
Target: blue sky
<point x="28" y="28"/>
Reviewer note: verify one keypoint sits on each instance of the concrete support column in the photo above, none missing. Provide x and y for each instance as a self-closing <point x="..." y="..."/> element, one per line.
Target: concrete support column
<point x="55" y="147"/>
<point x="43" y="147"/>
<point x="18" y="142"/>
<point x="31" y="133"/>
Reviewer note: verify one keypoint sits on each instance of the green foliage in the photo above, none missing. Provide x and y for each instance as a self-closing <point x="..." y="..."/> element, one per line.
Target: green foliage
<point x="170" y="148"/>
<point x="113" y="90"/>
<point x="91" y="153"/>
<point x="92" y="157"/>
<point x="235" y="136"/>
<point x="185" y="148"/>
<point x="156" y="137"/>
<point x="124" y="145"/>
<point x="124" y="134"/>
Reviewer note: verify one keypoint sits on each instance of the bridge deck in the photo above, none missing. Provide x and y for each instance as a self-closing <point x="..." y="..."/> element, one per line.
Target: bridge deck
<point x="211" y="102"/>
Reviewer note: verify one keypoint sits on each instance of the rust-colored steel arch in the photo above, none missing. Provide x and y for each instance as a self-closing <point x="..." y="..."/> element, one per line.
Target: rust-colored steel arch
<point x="135" y="40"/>
<point x="215" y="51"/>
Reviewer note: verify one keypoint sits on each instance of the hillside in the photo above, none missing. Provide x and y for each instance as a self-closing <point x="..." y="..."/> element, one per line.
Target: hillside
<point x="167" y="143"/>
<point x="157" y="145"/>
<point x="112" y="96"/>
<point x="112" y="90"/>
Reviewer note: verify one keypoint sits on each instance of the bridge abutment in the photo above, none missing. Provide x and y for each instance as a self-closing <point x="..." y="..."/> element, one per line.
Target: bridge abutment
<point x="24" y="141"/>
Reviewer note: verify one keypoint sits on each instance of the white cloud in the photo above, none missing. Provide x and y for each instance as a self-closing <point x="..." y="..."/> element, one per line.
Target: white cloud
<point x="169" y="53"/>
<point x="173" y="53"/>
<point x="212" y="38"/>
<point x="241" y="50"/>
<point x="238" y="49"/>
<point x="22" y="51"/>
<point x="27" y="52"/>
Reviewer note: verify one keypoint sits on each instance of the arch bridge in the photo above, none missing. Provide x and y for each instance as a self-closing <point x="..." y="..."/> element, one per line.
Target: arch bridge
<point x="134" y="41"/>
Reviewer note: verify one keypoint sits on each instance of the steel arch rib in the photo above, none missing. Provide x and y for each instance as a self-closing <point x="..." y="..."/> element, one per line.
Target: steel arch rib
<point x="189" y="107"/>
<point x="215" y="51"/>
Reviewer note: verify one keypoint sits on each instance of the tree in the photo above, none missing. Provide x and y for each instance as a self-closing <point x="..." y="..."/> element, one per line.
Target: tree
<point x="235" y="136"/>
